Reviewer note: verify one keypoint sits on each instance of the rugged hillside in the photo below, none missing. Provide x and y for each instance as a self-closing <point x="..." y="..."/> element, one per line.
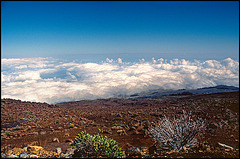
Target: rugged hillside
<point x="28" y="124"/>
<point x="205" y="90"/>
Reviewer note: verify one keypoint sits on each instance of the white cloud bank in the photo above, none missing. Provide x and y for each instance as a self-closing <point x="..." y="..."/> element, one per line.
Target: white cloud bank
<point x="51" y="80"/>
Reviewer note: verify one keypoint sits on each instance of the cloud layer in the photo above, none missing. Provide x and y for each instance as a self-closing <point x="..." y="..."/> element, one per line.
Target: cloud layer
<point x="51" y="80"/>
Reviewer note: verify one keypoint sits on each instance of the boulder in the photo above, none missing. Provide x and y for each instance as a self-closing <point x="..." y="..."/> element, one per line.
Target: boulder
<point x="17" y="151"/>
<point x="134" y="152"/>
<point x="116" y="128"/>
<point x="121" y="132"/>
<point x="34" y="149"/>
<point x="24" y="155"/>
<point x="58" y="150"/>
<point x="55" y="139"/>
<point x="140" y="128"/>
<point x="42" y="132"/>
<point x="3" y="155"/>
<point x="33" y="156"/>
<point x="69" y="151"/>
<point x="12" y="156"/>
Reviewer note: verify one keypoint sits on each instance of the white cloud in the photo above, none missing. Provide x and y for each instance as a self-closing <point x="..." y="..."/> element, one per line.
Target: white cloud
<point x="153" y="60"/>
<point x="109" y="60"/>
<point x="142" y="60"/>
<point x="119" y="60"/>
<point x="51" y="80"/>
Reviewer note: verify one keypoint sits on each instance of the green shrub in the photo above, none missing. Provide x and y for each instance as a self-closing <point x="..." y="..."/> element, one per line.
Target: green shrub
<point x="122" y="125"/>
<point x="94" y="146"/>
<point x="71" y="125"/>
<point x="8" y="133"/>
<point x="100" y="130"/>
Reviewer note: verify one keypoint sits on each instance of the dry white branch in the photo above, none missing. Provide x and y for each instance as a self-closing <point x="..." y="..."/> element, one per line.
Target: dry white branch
<point x="178" y="134"/>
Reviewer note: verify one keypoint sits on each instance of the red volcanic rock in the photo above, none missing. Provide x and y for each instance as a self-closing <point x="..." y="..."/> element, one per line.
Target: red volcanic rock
<point x="38" y="123"/>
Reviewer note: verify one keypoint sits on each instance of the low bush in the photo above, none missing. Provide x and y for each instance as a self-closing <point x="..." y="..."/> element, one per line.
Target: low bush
<point x="94" y="146"/>
<point x="71" y="125"/>
<point x="122" y="125"/>
<point x="178" y="134"/>
<point x="100" y="130"/>
<point x="8" y="133"/>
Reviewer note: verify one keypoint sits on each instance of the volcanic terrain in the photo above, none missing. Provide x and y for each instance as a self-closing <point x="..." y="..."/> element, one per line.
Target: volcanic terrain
<point x="30" y="127"/>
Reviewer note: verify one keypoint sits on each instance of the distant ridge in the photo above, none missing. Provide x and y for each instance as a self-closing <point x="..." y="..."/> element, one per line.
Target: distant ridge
<point x="221" y="87"/>
<point x="204" y="90"/>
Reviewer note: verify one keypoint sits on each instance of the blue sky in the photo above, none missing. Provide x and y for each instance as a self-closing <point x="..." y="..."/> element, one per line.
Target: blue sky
<point x="94" y="31"/>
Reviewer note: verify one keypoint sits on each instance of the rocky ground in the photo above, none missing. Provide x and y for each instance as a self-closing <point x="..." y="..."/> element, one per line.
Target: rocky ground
<point x="32" y="129"/>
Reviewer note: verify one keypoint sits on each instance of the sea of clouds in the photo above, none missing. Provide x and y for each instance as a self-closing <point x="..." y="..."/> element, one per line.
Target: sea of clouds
<point x="52" y="80"/>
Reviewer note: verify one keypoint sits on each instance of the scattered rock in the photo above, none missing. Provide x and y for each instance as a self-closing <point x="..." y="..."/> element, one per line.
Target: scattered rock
<point x="24" y="155"/>
<point x="55" y="139"/>
<point x="134" y="152"/>
<point x="227" y="150"/>
<point x="17" y="151"/>
<point x="140" y="128"/>
<point x="136" y="124"/>
<point x="3" y="155"/>
<point x="9" y="152"/>
<point x="135" y="132"/>
<point x="119" y="115"/>
<point x="116" y="128"/>
<point x="43" y="132"/>
<point x="12" y="156"/>
<point x="170" y="152"/>
<point x="69" y="151"/>
<point x="33" y="156"/>
<point x="152" y="149"/>
<point x="33" y="143"/>
<point x="108" y="131"/>
<point x="34" y="149"/>
<point x="146" y="124"/>
<point x="121" y="132"/>
<point x="25" y="149"/>
<point x="58" y="150"/>
<point x="66" y="134"/>
<point x="132" y="129"/>
<point x="160" y="115"/>
<point x="68" y="140"/>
